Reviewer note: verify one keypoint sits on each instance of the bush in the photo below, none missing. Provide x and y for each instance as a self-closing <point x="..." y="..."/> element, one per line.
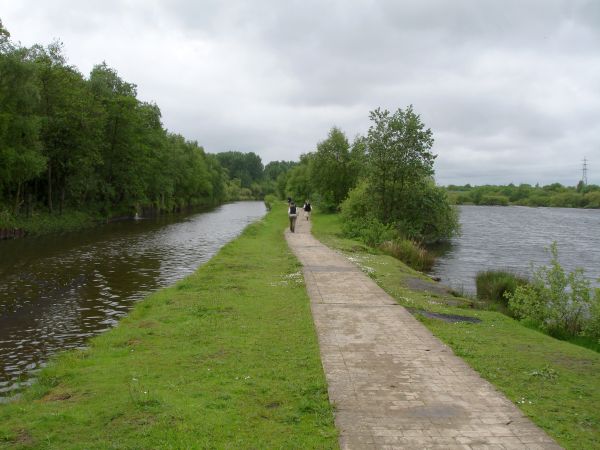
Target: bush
<point x="592" y="200"/>
<point x="494" y="285"/>
<point x="592" y="326"/>
<point x="370" y="231"/>
<point x="409" y="252"/>
<point x="426" y="215"/>
<point x="423" y="214"/>
<point x="560" y="303"/>
<point x="325" y="202"/>
<point x="494" y="200"/>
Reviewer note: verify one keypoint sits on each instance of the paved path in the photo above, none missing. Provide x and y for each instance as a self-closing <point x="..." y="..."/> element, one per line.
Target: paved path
<point x="393" y="384"/>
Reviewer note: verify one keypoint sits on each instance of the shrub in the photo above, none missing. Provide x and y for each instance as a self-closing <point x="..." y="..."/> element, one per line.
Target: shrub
<point x="494" y="200"/>
<point x="370" y="231"/>
<point x="558" y="302"/>
<point x="409" y="252"/>
<point x="325" y="202"/>
<point x="592" y="326"/>
<point x="592" y="199"/>
<point x="423" y="214"/>
<point x="495" y="284"/>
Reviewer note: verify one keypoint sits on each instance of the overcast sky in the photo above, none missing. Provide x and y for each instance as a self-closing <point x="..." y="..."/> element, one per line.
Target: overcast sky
<point x="510" y="89"/>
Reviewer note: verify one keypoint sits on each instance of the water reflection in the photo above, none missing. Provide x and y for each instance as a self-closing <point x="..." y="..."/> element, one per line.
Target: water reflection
<point x="513" y="237"/>
<point x="57" y="291"/>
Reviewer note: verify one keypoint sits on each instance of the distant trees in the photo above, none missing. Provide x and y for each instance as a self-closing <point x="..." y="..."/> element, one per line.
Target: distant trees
<point x="246" y="167"/>
<point x="276" y="176"/>
<point x="555" y="194"/>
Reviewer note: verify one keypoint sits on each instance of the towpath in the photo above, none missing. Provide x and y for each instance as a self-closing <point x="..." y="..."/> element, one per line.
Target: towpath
<point x="393" y="384"/>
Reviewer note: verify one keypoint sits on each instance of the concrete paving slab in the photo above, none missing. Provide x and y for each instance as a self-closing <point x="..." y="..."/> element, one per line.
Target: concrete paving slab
<point x="393" y="384"/>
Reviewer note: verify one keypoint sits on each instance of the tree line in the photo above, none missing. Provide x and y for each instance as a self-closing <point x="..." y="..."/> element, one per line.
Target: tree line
<point x="69" y="142"/>
<point x="555" y="194"/>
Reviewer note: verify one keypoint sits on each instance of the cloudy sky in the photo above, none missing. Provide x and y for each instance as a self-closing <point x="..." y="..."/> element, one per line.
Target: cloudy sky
<point x="510" y="89"/>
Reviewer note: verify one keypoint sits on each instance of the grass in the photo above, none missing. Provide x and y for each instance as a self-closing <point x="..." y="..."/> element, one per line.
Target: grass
<point x="226" y="358"/>
<point x="409" y="252"/>
<point x="553" y="382"/>
<point x="493" y="284"/>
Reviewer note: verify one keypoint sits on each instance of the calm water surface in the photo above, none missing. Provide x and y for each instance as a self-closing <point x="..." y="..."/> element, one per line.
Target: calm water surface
<point x="513" y="237"/>
<point x="57" y="291"/>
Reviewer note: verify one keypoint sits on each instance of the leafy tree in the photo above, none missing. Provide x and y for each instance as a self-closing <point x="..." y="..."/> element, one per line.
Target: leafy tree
<point x="399" y="158"/>
<point x="298" y="180"/>
<point x="70" y="126"/>
<point x="332" y="173"/>
<point x="399" y="187"/>
<point x="20" y="155"/>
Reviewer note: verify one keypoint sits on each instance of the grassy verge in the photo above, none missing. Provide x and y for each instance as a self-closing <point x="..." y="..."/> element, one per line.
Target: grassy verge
<point x="555" y="383"/>
<point x="226" y="358"/>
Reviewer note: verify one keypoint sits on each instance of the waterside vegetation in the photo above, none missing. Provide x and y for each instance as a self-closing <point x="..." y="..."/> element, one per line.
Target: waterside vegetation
<point x="553" y="382"/>
<point x="226" y="358"/>
<point x="563" y="305"/>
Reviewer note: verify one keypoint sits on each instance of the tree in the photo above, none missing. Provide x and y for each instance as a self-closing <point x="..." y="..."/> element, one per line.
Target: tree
<point x="70" y="127"/>
<point x="298" y="180"/>
<point x="398" y="193"/>
<point x="332" y="173"/>
<point x="399" y="157"/>
<point x="20" y="156"/>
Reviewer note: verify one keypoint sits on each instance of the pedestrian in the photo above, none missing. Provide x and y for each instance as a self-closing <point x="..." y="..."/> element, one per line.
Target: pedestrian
<point x="307" y="209"/>
<point x="292" y="214"/>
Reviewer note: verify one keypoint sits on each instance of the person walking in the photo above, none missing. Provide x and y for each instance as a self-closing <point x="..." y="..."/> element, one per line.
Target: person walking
<point x="292" y="214"/>
<point x="307" y="209"/>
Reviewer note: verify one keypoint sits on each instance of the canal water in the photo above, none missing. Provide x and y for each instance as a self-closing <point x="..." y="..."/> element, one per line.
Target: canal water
<point x="514" y="237"/>
<point x="56" y="291"/>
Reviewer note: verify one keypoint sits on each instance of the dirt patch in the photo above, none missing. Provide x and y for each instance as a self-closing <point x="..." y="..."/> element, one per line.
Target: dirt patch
<point x="24" y="438"/>
<point x="147" y="324"/>
<point x="417" y="284"/>
<point x="439" y="290"/>
<point x="273" y="405"/>
<point x="56" y="396"/>
<point x="450" y="318"/>
<point x="133" y="342"/>
<point x="582" y="364"/>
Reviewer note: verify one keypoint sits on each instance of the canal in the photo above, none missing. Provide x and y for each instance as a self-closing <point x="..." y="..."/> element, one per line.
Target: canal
<point x="57" y="291"/>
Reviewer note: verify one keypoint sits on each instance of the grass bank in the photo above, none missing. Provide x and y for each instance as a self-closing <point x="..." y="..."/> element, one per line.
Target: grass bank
<point x="553" y="382"/>
<point x="226" y="358"/>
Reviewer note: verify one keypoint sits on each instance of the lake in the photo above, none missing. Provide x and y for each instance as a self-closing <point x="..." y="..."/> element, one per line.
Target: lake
<point x="513" y="237"/>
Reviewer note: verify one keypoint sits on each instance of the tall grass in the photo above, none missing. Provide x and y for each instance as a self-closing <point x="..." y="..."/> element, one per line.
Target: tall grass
<point x="409" y="252"/>
<point x="493" y="284"/>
